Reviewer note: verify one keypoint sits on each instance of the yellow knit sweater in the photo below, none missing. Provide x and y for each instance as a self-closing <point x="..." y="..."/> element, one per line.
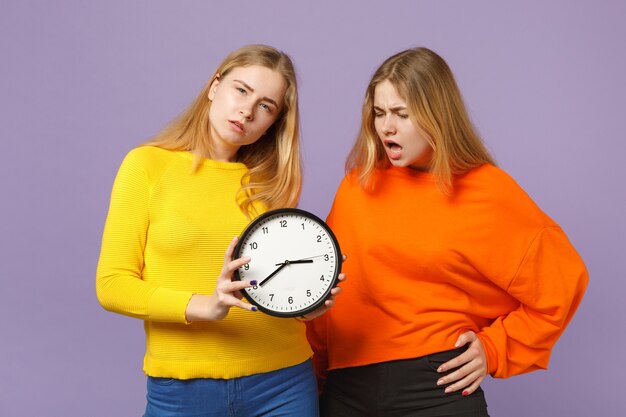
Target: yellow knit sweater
<point x="164" y="240"/>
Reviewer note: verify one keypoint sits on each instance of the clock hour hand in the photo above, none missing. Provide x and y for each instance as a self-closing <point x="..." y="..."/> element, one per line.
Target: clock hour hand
<point x="299" y="261"/>
<point x="267" y="278"/>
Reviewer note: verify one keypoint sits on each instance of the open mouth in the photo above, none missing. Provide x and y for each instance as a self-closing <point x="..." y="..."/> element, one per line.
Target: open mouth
<point x="394" y="150"/>
<point x="392" y="146"/>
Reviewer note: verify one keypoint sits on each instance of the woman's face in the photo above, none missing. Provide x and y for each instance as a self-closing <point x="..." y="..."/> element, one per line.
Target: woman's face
<point x="404" y="144"/>
<point x="245" y="104"/>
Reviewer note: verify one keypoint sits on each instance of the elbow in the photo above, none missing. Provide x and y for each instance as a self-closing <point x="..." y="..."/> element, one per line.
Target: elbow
<point x="103" y="293"/>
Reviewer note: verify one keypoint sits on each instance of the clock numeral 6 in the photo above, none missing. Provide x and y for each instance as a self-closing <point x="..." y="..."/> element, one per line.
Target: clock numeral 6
<point x="290" y="300"/>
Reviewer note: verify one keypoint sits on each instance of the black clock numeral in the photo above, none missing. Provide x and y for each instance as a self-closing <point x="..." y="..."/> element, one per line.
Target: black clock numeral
<point x="302" y="226"/>
<point x="326" y="257"/>
<point x="254" y="245"/>
<point x="319" y="238"/>
<point x="271" y="297"/>
<point x="308" y="293"/>
<point x="246" y="267"/>
<point x="322" y="278"/>
<point x="283" y="223"/>
<point x="290" y="300"/>
<point x="265" y="230"/>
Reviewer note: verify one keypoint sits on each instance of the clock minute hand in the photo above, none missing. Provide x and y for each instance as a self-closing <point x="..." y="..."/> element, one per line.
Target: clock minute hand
<point x="281" y="266"/>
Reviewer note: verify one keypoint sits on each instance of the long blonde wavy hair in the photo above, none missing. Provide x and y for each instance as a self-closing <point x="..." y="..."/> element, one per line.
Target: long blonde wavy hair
<point x="424" y="80"/>
<point x="274" y="176"/>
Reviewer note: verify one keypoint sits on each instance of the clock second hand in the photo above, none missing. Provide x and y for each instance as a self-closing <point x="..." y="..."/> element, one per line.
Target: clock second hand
<point x="303" y="260"/>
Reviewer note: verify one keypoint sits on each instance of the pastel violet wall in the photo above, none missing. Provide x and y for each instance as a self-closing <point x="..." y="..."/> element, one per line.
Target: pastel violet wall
<point x="81" y="83"/>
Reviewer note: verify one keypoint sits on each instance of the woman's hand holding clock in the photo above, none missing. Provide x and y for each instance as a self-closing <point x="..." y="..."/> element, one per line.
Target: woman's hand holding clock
<point x="227" y="292"/>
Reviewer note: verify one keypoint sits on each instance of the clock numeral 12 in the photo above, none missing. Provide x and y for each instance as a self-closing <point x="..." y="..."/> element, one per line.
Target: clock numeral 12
<point x="283" y="223"/>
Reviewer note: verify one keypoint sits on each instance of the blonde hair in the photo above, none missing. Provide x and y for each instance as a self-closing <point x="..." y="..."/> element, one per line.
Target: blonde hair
<point x="274" y="176"/>
<point x="424" y="80"/>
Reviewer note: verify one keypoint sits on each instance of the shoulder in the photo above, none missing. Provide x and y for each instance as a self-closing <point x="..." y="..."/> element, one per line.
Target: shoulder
<point x="492" y="181"/>
<point x="502" y="194"/>
<point x="350" y="184"/>
<point x="149" y="161"/>
<point x="149" y="155"/>
<point x="490" y="175"/>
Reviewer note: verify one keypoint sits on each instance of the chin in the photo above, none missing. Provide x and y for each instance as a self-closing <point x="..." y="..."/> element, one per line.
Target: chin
<point x="398" y="163"/>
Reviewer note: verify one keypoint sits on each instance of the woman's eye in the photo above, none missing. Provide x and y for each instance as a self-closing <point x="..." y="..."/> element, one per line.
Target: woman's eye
<point x="241" y="90"/>
<point x="265" y="107"/>
<point x="403" y="116"/>
<point x="377" y="115"/>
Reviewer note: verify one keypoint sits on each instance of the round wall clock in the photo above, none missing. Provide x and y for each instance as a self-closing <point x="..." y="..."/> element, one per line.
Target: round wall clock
<point x="295" y="259"/>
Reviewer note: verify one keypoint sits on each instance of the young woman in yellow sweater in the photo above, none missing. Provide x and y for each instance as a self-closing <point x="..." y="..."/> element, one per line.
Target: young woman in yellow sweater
<point x="455" y="272"/>
<point x="168" y="241"/>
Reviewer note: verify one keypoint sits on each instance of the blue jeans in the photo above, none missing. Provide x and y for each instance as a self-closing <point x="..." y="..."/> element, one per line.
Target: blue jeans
<point x="287" y="392"/>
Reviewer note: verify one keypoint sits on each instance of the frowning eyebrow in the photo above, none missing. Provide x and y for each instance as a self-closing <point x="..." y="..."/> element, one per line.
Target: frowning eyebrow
<point x="393" y="109"/>
<point x="252" y="91"/>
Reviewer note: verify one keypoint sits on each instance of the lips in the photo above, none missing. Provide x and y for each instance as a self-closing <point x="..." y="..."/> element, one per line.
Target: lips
<point x="237" y="126"/>
<point x="394" y="151"/>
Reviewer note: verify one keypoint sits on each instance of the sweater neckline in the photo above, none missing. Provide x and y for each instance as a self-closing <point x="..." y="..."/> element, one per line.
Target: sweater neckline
<point x="213" y="163"/>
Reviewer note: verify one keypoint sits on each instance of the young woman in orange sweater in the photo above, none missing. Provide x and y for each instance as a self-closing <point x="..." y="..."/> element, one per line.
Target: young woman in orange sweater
<point x="455" y="272"/>
<point x="167" y="247"/>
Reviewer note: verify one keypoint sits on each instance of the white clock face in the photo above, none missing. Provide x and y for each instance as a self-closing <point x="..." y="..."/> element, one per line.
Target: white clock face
<point x="295" y="260"/>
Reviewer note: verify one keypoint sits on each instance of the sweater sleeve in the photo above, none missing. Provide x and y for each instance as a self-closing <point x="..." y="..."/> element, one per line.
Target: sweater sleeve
<point x="549" y="284"/>
<point x="119" y="283"/>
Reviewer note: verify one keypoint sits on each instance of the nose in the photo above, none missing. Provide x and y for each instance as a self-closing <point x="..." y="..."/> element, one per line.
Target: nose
<point x="388" y="128"/>
<point x="247" y="110"/>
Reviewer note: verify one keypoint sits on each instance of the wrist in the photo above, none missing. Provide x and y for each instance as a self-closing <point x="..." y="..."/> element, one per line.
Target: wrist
<point x="201" y="308"/>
